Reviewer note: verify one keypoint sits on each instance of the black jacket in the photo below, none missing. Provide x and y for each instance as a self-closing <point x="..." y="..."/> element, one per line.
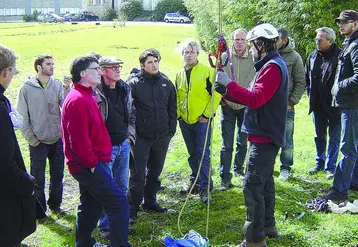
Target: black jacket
<point x="154" y="98"/>
<point x="320" y="73"/>
<point x="345" y="88"/>
<point x="18" y="205"/>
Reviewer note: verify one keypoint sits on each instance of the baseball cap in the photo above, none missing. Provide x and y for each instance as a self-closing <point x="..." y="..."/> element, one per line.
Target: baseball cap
<point x="347" y="15"/>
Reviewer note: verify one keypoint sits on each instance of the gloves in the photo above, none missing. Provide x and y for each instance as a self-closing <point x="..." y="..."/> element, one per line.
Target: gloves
<point x="222" y="78"/>
<point x="219" y="88"/>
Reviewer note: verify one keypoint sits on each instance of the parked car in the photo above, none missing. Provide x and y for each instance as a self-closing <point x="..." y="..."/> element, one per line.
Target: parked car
<point x="50" y="17"/>
<point x="71" y="17"/>
<point x="88" y="16"/>
<point x="176" y="17"/>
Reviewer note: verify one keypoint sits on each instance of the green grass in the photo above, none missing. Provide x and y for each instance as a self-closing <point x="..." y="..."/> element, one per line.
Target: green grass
<point x="227" y="213"/>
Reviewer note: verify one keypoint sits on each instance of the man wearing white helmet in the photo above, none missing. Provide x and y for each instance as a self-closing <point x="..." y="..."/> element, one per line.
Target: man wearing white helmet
<point x="266" y="99"/>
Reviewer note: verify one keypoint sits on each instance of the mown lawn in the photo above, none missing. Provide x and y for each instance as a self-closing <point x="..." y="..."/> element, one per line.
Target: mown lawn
<point x="227" y="213"/>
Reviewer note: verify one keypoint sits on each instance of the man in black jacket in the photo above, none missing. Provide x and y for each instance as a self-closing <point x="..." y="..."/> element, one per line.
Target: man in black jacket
<point x="345" y="96"/>
<point x="18" y="201"/>
<point x="320" y="71"/>
<point x="154" y="98"/>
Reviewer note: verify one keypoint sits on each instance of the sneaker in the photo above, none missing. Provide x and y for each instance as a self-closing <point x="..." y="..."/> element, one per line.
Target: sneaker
<point x="315" y="169"/>
<point x="334" y="196"/>
<point x="252" y="244"/>
<point x="271" y="232"/>
<point x="58" y="211"/>
<point x="186" y="190"/>
<point x="329" y="174"/>
<point x="241" y="175"/>
<point x="205" y="197"/>
<point x="99" y="245"/>
<point x="105" y="234"/>
<point x="226" y="186"/>
<point x="284" y="174"/>
<point x="154" y="207"/>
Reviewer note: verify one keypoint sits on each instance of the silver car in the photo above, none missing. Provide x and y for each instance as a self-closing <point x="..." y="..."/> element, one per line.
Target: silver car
<point x="176" y="17"/>
<point x="50" y="17"/>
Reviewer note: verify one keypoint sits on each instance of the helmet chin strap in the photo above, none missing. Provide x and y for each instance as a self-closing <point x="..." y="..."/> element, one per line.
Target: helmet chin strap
<point x="259" y="51"/>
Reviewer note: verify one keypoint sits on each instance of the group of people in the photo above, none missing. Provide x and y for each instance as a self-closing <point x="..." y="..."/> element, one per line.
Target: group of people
<point x="114" y="135"/>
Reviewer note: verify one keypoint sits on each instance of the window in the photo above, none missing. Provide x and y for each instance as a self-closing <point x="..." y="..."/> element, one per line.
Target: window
<point x="95" y="2"/>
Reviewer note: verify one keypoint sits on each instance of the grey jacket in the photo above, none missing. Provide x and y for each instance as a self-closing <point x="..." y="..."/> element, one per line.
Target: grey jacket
<point x="296" y="72"/>
<point x="40" y="109"/>
<point x="244" y="73"/>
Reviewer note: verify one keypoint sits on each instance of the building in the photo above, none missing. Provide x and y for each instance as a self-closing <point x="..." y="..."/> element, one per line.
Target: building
<point x="15" y="9"/>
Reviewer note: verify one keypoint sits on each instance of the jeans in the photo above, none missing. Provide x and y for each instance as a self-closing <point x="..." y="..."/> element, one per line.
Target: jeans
<point x="97" y="191"/>
<point x="346" y="169"/>
<point x="229" y="119"/>
<point x="194" y="138"/>
<point x="286" y="156"/>
<point x="38" y="156"/>
<point x="118" y="168"/>
<point x="144" y="180"/>
<point x="259" y="191"/>
<point x="322" y="120"/>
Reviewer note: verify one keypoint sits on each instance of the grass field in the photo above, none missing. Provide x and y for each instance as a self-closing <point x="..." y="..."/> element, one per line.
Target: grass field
<point x="227" y="213"/>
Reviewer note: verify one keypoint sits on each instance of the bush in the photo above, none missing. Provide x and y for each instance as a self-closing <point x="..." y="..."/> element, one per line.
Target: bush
<point x="32" y="17"/>
<point x="166" y="6"/>
<point x="130" y="10"/>
<point x="110" y="15"/>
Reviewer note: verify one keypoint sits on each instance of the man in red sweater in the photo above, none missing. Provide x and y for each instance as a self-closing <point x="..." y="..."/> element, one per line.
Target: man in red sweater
<point x="87" y="147"/>
<point x="266" y="101"/>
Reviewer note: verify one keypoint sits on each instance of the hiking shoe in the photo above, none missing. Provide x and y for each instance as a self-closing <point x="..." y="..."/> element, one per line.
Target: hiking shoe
<point x="271" y="232"/>
<point x="315" y="169"/>
<point x="241" y="175"/>
<point x="354" y="187"/>
<point x="284" y="174"/>
<point x="329" y="174"/>
<point x="226" y="186"/>
<point x="252" y="244"/>
<point x="205" y="197"/>
<point x="334" y="196"/>
<point x="154" y="207"/>
<point x="186" y="190"/>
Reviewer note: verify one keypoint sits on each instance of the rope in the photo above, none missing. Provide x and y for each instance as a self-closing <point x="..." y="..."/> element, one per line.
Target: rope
<point x="210" y="125"/>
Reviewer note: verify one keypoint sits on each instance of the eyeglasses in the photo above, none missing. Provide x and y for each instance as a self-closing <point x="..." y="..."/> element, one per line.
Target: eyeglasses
<point x="341" y="22"/>
<point x="114" y="68"/>
<point x="14" y="70"/>
<point x="95" y="68"/>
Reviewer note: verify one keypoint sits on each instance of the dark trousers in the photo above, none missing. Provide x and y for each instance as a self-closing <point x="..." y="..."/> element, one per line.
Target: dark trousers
<point x="38" y="157"/>
<point x="259" y="191"/>
<point x="229" y="120"/>
<point x="194" y="138"/>
<point x="144" y="180"/>
<point x="322" y="120"/>
<point x="97" y="191"/>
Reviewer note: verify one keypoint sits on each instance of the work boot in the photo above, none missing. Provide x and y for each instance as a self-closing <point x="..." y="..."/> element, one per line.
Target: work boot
<point x="271" y="232"/>
<point x="226" y="185"/>
<point x="186" y="190"/>
<point x="315" y="169"/>
<point x="252" y="244"/>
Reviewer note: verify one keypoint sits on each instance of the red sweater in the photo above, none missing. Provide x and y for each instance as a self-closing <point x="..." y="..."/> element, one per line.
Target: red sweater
<point x="266" y="85"/>
<point x="84" y="133"/>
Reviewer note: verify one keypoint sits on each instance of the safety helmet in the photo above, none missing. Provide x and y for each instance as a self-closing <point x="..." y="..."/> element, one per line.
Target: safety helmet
<point x="265" y="30"/>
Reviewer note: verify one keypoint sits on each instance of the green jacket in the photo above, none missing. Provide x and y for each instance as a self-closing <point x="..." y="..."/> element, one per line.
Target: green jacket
<point x="296" y="73"/>
<point x="194" y="97"/>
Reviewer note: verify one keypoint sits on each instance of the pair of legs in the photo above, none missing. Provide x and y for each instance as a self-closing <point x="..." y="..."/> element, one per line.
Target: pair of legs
<point x="118" y="168"/>
<point x="97" y="191"/>
<point x="194" y="137"/>
<point x="229" y="120"/>
<point x="38" y="156"/>
<point x="144" y="180"/>
<point x="259" y="191"/>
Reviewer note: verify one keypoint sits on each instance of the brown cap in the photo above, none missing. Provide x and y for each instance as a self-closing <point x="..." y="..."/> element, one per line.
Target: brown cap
<point x="347" y="15"/>
<point x="106" y="60"/>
